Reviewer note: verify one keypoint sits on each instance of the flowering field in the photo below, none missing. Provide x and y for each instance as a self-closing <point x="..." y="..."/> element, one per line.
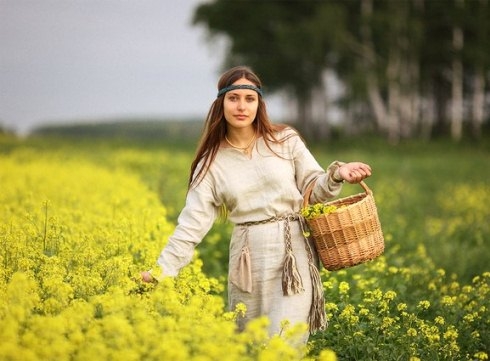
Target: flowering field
<point x="79" y="221"/>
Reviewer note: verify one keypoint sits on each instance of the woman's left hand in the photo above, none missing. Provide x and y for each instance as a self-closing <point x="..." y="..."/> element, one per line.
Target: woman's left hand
<point x="354" y="172"/>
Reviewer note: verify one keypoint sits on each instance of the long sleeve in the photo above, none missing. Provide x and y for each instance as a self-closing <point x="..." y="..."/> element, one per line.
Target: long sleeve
<point x="325" y="187"/>
<point x="195" y="220"/>
<point x="308" y="170"/>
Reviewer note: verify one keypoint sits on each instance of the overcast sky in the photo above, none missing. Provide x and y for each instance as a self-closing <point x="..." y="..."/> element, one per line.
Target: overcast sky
<point x="80" y="60"/>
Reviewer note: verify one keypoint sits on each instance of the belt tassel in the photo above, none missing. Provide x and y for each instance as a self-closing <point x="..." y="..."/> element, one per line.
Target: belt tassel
<point x="291" y="279"/>
<point x="317" y="318"/>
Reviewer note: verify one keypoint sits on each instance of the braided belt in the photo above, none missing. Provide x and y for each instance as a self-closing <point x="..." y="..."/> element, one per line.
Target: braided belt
<point x="287" y="217"/>
<point x="287" y="228"/>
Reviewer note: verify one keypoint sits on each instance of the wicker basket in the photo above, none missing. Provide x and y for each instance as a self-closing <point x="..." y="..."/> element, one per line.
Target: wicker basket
<point x="349" y="236"/>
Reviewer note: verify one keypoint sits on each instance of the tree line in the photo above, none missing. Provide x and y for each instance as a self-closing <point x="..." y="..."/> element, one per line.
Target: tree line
<point x="407" y="68"/>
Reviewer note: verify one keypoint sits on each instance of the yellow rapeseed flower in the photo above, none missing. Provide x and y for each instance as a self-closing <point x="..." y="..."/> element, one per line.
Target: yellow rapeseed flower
<point x="481" y="356"/>
<point x="343" y="288"/>
<point x="327" y="355"/>
<point x="401" y="307"/>
<point x="424" y="305"/>
<point x="412" y="332"/>
<point x="439" y="320"/>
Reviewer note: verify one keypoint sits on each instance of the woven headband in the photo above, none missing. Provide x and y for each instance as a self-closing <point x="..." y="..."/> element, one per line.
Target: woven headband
<point x="239" y="86"/>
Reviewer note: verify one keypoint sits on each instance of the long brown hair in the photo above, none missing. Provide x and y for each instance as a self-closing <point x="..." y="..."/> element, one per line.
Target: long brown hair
<point x="215" y="126"/>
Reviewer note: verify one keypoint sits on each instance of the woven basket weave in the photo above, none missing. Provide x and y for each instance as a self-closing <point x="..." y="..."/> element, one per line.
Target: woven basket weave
<point x="349" y="236"/>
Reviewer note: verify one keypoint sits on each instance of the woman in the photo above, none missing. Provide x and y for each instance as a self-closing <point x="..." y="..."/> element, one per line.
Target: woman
<point x="258" y="172"/>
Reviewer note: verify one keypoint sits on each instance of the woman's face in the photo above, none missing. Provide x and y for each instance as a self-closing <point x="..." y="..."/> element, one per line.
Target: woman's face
<point x="240" y="105"/>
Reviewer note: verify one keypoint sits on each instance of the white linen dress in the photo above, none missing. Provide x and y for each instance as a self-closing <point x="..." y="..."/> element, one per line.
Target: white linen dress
<point x="254" y="188"/>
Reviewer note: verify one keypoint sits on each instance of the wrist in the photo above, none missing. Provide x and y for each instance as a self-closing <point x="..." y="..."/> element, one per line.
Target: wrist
<point x="337" y="178"/>
<point x="335" y="175"/>
<point x="155" y="274"/>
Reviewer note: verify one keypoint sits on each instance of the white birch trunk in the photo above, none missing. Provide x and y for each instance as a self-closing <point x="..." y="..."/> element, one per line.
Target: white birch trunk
<point x="392" y="71"/>
<point x="478" y="103"/>
<point x="409" y="105"/>
<point x="377" y="102"/>
<point x="457" y="85"/>
<point x="369" y="63"/>
<point x="428" y="116"/>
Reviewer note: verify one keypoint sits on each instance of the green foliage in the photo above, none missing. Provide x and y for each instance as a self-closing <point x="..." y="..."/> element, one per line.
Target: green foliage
<point x="142" y="130"/>
<point x="265" y="39"/>
<point x="393" y="58"/>
<point x="383" y="312"/>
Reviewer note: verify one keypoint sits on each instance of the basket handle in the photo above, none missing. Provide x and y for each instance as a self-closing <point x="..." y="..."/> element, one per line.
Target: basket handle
<point x="309" y="189"/>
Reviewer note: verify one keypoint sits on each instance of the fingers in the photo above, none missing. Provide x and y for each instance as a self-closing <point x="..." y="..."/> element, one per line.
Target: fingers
<point x="146" y="276"/>
<point x="363" y="170"/>
<point x="355" y="172"/>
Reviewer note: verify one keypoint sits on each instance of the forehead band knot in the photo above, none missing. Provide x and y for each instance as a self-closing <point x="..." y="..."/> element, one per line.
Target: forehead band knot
<point x="239" y="86"/>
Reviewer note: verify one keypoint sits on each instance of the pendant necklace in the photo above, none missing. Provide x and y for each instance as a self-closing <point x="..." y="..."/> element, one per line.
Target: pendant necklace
<point x="246" y="149"/>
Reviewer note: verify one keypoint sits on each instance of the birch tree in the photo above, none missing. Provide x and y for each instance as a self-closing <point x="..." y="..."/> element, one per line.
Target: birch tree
<point x="477" y="49"/>
<point x="457" y="73"/>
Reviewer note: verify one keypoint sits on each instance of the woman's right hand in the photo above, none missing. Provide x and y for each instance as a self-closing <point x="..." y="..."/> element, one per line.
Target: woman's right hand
<point x="146" y="277"/>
